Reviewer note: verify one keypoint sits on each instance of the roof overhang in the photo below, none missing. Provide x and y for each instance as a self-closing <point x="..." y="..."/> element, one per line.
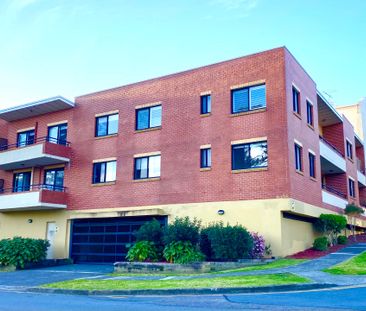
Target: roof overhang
<point x="328" y="115"/>
<point x="359" y="142"/>
<point x="37" y="108"/>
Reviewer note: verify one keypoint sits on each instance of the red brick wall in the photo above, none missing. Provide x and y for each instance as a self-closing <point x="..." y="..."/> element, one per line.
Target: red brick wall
<point x="337" y="181"/>
<point x="334" y="134"/>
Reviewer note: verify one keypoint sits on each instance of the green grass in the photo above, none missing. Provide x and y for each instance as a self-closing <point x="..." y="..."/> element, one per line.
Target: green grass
<point x="219" y="282"/>
<point x="353" y="266"/>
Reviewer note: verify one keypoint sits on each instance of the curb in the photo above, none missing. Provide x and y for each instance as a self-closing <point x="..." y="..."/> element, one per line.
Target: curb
<point x="186" y="291"/>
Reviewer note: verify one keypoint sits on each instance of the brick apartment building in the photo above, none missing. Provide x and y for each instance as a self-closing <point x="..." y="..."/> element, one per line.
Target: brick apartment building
<point x="248" y="141"/>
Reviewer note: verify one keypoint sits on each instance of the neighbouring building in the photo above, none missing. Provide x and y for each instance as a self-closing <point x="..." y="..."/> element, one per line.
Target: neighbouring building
<point x="248" y="141"/>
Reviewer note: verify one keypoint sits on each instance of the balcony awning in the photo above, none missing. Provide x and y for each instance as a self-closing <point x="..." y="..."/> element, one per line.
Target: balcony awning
<point x="36" y="108"/>
<point x="328" y="115"/>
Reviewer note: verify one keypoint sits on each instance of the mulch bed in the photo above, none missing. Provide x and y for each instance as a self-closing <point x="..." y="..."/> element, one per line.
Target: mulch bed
<point x="312" y="254"/>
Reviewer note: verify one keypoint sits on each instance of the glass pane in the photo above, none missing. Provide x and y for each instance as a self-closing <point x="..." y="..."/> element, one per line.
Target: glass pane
<point x="155" y="116"/>
<point x="59" y="180"/>
<point x="102" y="126"/>
<point x="205" y="158"/>
<point x="239" y="157"/>
<point x="113" y="124"/>
<point x="258" y="97"/>
<point x="258" y="154"/>
<point x="154" y="166"/>
<point x="30" y="138"/>
<point x="141" y="168"/>
<point x="205" y="104"/>
<point x="240" y="100"/>
<point x="62" y="139"/>
<point x="209" y="157"/>
<point x="22" y="182"/>
<point x="142" y="119"/>
<point x="53" y="134"/>
<point x="22" y="139"/>
<point x="99" y="172"/>
<point x="111" y="171"/>
<point x="50" y="179"/>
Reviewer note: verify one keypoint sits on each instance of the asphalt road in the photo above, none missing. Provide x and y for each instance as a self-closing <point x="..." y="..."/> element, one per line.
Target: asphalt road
<point x="340" y="299"/>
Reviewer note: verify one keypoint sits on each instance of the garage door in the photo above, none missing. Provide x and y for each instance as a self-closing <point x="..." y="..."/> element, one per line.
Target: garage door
<point x="104" y="239"/>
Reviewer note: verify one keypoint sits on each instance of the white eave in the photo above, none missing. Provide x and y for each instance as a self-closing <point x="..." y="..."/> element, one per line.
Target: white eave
<point x="37" y="108"/>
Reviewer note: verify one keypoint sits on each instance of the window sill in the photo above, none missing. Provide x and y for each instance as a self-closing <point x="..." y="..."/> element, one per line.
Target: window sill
<point x="299" y="172"/>
<point x="205" y="169"/>
<point x="350" y="159"/>
<point x="238" y="114"/>
<point x="148" y="130"/>
<point x="310" y="126"/>
<point x="106" y="136"/>
<point x="146" y="179"/>
<point x="297" y="115"/>
<point x="109" y="183"/>
<point x="248" y="170"/>
<point x="203" y="115"/>
<point x="313" y="179"/>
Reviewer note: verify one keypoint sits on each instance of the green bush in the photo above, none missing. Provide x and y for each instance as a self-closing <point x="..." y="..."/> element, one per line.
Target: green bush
<point x="182" y="229"/>
<point x="142" y="251"/>
<point x="182" y="252"/>
<point x="219" y="242"/>
<point x="320" y="244"/>
<point x="20" y="251"/>
<point x="342" y="239"/>
<point x="331" y="225"/>
<point x="151" y="231"/>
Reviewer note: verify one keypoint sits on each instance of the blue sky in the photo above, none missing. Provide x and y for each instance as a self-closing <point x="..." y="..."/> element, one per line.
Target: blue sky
<point x="73" y="47"/>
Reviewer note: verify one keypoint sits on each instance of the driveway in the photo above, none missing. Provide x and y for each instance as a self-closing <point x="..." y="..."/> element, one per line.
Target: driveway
<point x="36" y="277"/>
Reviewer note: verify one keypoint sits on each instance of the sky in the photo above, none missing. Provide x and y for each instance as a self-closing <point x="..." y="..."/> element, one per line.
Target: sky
<point x="75" y="47"/>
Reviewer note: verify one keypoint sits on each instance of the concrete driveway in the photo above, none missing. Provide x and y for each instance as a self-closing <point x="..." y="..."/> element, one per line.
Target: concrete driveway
<point x="36" y="277"/>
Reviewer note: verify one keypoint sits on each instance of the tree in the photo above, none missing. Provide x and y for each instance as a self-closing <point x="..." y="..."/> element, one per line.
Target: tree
<point x="331" y="225"/>
<point x="352" y="211"/>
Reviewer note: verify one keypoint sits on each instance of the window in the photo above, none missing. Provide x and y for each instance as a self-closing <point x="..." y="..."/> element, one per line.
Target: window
<point x="349" y="150"/>
<point x="206" y="158"/>
<point x="147" y="167"/>
<point x="25" y="138"/>
<point x="22" y="181"/>
<point x="104" y="172"/>
<point x="296" y="100"/>
<point x="148" y="117"/>
<point x="248" y="98"/>
<point x="205" y="104"/>
<point x="106" y="125"/>
<point x="298" y="157"/>
<point x="54" y="179"/>
<point x="310" y="113"/>
<point x="57" y="134"/>
<point x="312" y="165"/>
<point x="251" y="155"/>
<point x="351" y="186"/>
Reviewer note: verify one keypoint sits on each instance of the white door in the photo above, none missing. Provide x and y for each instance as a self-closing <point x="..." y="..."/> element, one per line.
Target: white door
<point x="51" y="233"/>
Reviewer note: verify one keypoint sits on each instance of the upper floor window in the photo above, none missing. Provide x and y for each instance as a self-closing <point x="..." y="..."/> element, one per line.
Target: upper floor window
<point x="296" y="100"/>
<point x="54" y="179"/>
<point x="312" y="165"/>
<point x="351" y="187"/>
<point x="57" y="134"/>
<point x="248" y="98"/>
<point x="205" y="157"/>
<point x="250" y="155"/>
<point x="298" y="158"/>
<point x="104" y="172"/>
<point x="22" y="181"/>
<point x="106" y="125"/>
<point x="147" y="167"/>
<point x="25" y="138"/>
<point x="310" y="113"/>
<point x="205" y="104"/>
<point x="149" y="117"/>
<point x="349" y="150"/>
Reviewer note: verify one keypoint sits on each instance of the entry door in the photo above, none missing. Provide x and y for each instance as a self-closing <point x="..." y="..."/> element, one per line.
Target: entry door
<point x="22" y="181"/>
<point x="51" y="234"/>
<point x="54" y="179"/>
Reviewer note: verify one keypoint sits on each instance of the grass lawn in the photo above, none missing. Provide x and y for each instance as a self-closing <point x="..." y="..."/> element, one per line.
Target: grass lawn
<point x="226" y="281"/>
<point x="353" y="266"/>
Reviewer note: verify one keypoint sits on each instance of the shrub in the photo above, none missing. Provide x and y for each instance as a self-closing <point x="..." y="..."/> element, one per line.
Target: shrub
<point x="259" y="246"/>
<point x="142" y="251"/>
<point x="219" y="242"/>
<point x="321" y="243"/>
<point x="182" y="252"/>
<point x="20" y="251"/>
<point x="182" y="229"/>
<point x="352" y="211"/>
<point x="331" y="225"/>
<point x="342" y="239"/>
<point x="151" y="231"/>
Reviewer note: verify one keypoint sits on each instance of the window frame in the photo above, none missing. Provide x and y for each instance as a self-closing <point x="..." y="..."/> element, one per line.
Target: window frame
<point x="149" y="117"/>
<point x="54" y="139"/>
<point x="300" y="167"/>
<point x="206" y="104"/>
<point x="249" y="88"/>
<point x="296" y="108"/>
<point x="22" y="188"/>
<point x="28" y="141"/>
<point x="105" y="172"/>
<point x="148" y="157"/>
<point x="311" y="115"/>
<point x="312" y="165"/>
<point x="351" y="188"/>
<point x="246" y="144"/>
<point x="54" y="187"/>
<point x="349" y="149"/>
<point x="206" y="161"/>
<point x="107" y="128"/>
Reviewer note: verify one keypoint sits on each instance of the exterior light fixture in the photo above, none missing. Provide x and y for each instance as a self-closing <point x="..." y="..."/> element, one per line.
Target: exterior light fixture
<point x="30" y="220"/>
<point x="221" y="212"/>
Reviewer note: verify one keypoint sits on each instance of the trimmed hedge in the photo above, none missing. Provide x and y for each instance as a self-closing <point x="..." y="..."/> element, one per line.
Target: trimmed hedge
<point x="19" y="251"/>
<point x="321" y="244"/>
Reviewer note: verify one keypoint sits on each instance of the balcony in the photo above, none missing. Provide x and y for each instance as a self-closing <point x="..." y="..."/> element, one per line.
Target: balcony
<point x="34" y="197"/>
<point x="41" y="152"/>
<point x="332" y="160"/>
<point x="334" y="197"/>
